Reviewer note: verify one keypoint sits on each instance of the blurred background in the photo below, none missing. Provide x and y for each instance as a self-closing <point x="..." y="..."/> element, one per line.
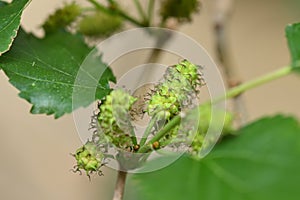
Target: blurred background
<point x="34" y="149"/>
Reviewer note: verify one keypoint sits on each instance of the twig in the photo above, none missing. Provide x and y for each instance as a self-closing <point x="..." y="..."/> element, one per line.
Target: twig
<point x="238" y="90"/>
<point x="117" y="12"/>
<point x="222" y="16"/>
<point x="175" y="121"/>
<point x="155" y="54"/>
<point x="150" y="10"/>
<point x="139" y="8"/>
<point x="120" y="186"/>
<point x="111" y="2"/>
<point x="161" y="41"/>
<point x="148" y="130"/>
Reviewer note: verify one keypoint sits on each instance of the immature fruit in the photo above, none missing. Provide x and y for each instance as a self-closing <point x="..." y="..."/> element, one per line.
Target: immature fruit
<point x="179" y="9"/>
<point x="62" y="18"/>
<point x="114" y="118"/>
<point x="100" y="24"/>
<point x="89" y="158"/>
<point x="177" y="92"/>
<point x="180" y="86"/>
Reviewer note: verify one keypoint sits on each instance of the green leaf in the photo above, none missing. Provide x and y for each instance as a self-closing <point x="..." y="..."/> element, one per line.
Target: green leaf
<point x="261" y="163"/>
<point x="2" y="3"/>
<point x="45" y="70"/>
<point x="293" y="37"/>
<point x="10" y="18"/>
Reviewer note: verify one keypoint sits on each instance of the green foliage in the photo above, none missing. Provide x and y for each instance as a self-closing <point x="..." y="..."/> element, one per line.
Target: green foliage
<point x="293" y="37"/>
<point x="61" y="18"/>
<point x="261" y="163"/>
<point x="179" y="9"/>
<point x="2" y="3"/>
<point x="44" y="70"/>
<point x="10" y="18"/>
<point x="100" y="24"/>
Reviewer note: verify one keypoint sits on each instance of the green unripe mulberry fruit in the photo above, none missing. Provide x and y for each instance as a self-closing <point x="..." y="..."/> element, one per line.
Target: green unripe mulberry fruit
<point x="179" y="9"/>
<point x="100" y="24"/>
<point x="62" y="18"/>
<point x="180" y="86"/>
<point x="89" y="158"/>
<point x="114" y="118"/>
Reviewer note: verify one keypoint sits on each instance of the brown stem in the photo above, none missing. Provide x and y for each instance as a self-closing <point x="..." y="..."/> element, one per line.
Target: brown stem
<point x="120" y="185"/>
<point x="156" y="53"/>
<point x="223" y="13"/>
<point x="162" y="40"/>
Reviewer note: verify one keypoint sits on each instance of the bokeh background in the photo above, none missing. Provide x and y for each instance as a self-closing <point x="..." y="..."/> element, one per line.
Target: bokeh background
<point x="34" y="149"/>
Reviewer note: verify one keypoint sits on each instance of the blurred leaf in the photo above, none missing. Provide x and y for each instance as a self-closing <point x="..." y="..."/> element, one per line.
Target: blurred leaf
<point x="2" y="3"/>
<point x="261" y="163"/>
<point x="293" y="37"/>
<point x="10" y="17"/>
<point x="44" y="70"/>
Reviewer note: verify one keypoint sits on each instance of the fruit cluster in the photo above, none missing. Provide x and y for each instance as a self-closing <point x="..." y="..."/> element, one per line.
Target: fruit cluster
<point x="174" y="95"/>
<point x="180" y="86"/>
<point x="114" y="118"/>
<point x="89" y="158"/>
<point x="179" y="9"/>
<point x="62" y="18"/>
<point x="100" y="24"/>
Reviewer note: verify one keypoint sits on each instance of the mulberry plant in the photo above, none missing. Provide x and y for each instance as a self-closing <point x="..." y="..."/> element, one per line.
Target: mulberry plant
<point x="255" y="161"/>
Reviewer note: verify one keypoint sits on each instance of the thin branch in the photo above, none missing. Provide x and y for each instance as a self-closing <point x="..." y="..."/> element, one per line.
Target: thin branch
<point x="238" y="90"/>
<point x="120" y="186"/>
<point x="151" y="10"/>
<point x="148" y="130"/>
<point x="222" y="16"/>
<point x="169" y="126"/>
<point x="161" y="42"/>
<point x="140" y="10"/>
<point x="111" y="2"/>
<point x="116" y="11"/>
